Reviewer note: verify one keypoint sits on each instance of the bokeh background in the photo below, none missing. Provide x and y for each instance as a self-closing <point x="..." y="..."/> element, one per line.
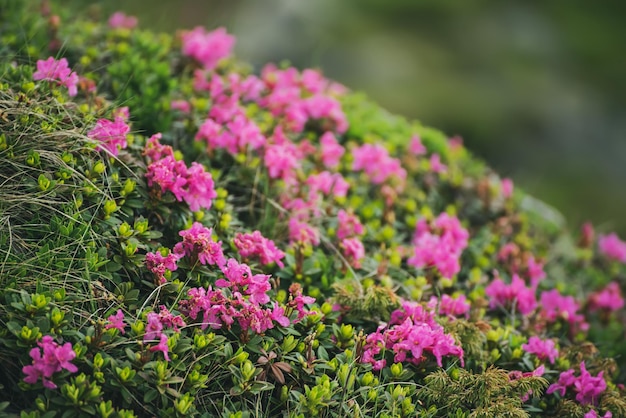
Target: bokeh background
<point x="537" y="89"/>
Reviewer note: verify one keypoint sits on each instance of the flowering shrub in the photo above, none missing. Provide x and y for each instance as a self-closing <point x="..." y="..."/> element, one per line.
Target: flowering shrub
<point x="180" y="236"/>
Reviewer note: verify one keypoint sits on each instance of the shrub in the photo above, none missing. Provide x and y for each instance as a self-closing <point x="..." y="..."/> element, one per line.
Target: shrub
<point x="181" y="236"/>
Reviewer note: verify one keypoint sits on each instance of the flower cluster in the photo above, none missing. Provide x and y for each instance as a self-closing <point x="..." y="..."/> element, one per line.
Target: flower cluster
<point x="111" y="134"/>
<point x="116" y="321"/>
<point x="194" y="185"/>
<point x="610" y="298"/>
<point x="256" y="245"/>
<point x="612" y="247"/>
<point x="555" y="306"/>
<point x="53" y="359"/>
<point x="543" y="349"/>
<point x="159" y="264"/>
<point x="198" y="244"/>
<point x="439" y="245"/>
<point x="121" y="20"/>
<point x="57" y="71"/>
<point x="208" y="48"/>
<point x="375" y="160"/>
<point x="515" y="295"/>
<point x="452" y="306"/>
<point x="588" y="388"/>
<point x="411" y="333"/>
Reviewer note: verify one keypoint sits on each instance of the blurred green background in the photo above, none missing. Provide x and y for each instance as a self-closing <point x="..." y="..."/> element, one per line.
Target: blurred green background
<point x="537" y="89"/>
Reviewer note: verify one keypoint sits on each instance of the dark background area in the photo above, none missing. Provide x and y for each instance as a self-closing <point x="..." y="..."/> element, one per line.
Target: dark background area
<point x="537" y="89"/>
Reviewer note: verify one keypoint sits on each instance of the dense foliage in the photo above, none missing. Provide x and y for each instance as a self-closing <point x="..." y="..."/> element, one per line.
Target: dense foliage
<point x="180" y="236"/>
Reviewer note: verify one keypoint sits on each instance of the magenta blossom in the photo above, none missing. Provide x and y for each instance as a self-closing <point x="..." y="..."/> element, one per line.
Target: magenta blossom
<point x="516" y="294"/>
<point x="208" y="48"/>
<point x="554" y="306"/>
<point x="116" y="321"/>
<point x="332" y="151"/>
<point x="543" y="349"/>
<point x="121" y="20"/>
<point x="197" y="242"/>
<point x="353" y="251"/>
<point x="610" y="298"/>
<point x="57" y="71"/>
<point x="458" y="306"/>
<point x="112" y="135"/>
<point x="416" y="147"/>
<point x="48" y="359"/>
<point x="588" y="388"/>
<point x="256" y="245"/>
<point x="612" y="247"/>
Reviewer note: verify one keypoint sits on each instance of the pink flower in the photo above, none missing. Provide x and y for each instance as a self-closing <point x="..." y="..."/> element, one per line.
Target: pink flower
<point x="181" y="105"/>
<point x="411" y="333"/>
<point x="200" y="190"/>
<point x="349" y="225"/>
<point x="543" y="349"/>
<point x="303" y="232"/>
<point x="208" y="48"/>
<point x="353" y="251"/>
<point x="332" y="151"/>
<point x="297" y="301"/>
<point x="416" y="147"/>
<point x="53" y="359"/>
<point x="436" y="166"/>
<point x="281" y="160"/>
<point x="158" y="264"/>
<point x="116" y="321"/>
<point x="112" y="135"/>
<point x="554" y="306"/>
<point x="197" y="242"/>
<point x="609" y="298"/>
<point x="516" y="294"/>
<point x="612" y="247"/>
<point x="59" y="71"/>
<point x="121" y="20"/>
<point x="239" y="278"/>
<point x="162" y="347"/>
<point x="278" y="315"/>
<point x="255" y="245"/>
<point x="153" y="328"/>
<point x="377" y="164"/>
<point x="588" y="388"/>
<point x="506" y="185"/>
<point x="454" y="306"/>
<point x="170" y="320"/>
<point x="535" y="271"/>
<point x="439" y="245"/>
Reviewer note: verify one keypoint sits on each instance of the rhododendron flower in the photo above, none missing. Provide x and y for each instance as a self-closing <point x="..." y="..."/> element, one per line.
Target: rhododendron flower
<point x="303" y="232"/>
<point x="256" y="245"/>
<point x="416" y="147"/>
<point x="374" y="159"/>
<point x="326" y="182"/>
<point x="197" y="242"/>
<point x="281" y="160"/>
<point x="593" y="414"/>
<point x="348" y="224"/>
<point x="554" y="306"/>
<point x="535" y="271"/>
<point x="297" y="301"/>
<point x="439" y="246"/>
<point x="112" y="134"/>
<point x="453" y="306"/>
<point x="162" y="346"/>
<point x="411" y="333"/>
<point x="58" y="71"/>
<point x="506" y="186"/>
<point x="116" y="321"/>
<point x="332" y="151"/>
<point x="354" y="251"/>
<point x="612" y="247"/>
<point x="588" y="388"/>
<point x="436" y="166"/>
<point x="609" y="298"/>
<point x="121" y="20"/>
<point x="181" y="105"/>
<point x="153" y="328"/>
<point x="208" y="48"/>
<point x="516" y="294"/>
<point x="48" y="359"/>
<point x="239" y="278"/>
<point x="158" y="264"/>
<point x="200" y="190"/>
<point x="543" y="349"/>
